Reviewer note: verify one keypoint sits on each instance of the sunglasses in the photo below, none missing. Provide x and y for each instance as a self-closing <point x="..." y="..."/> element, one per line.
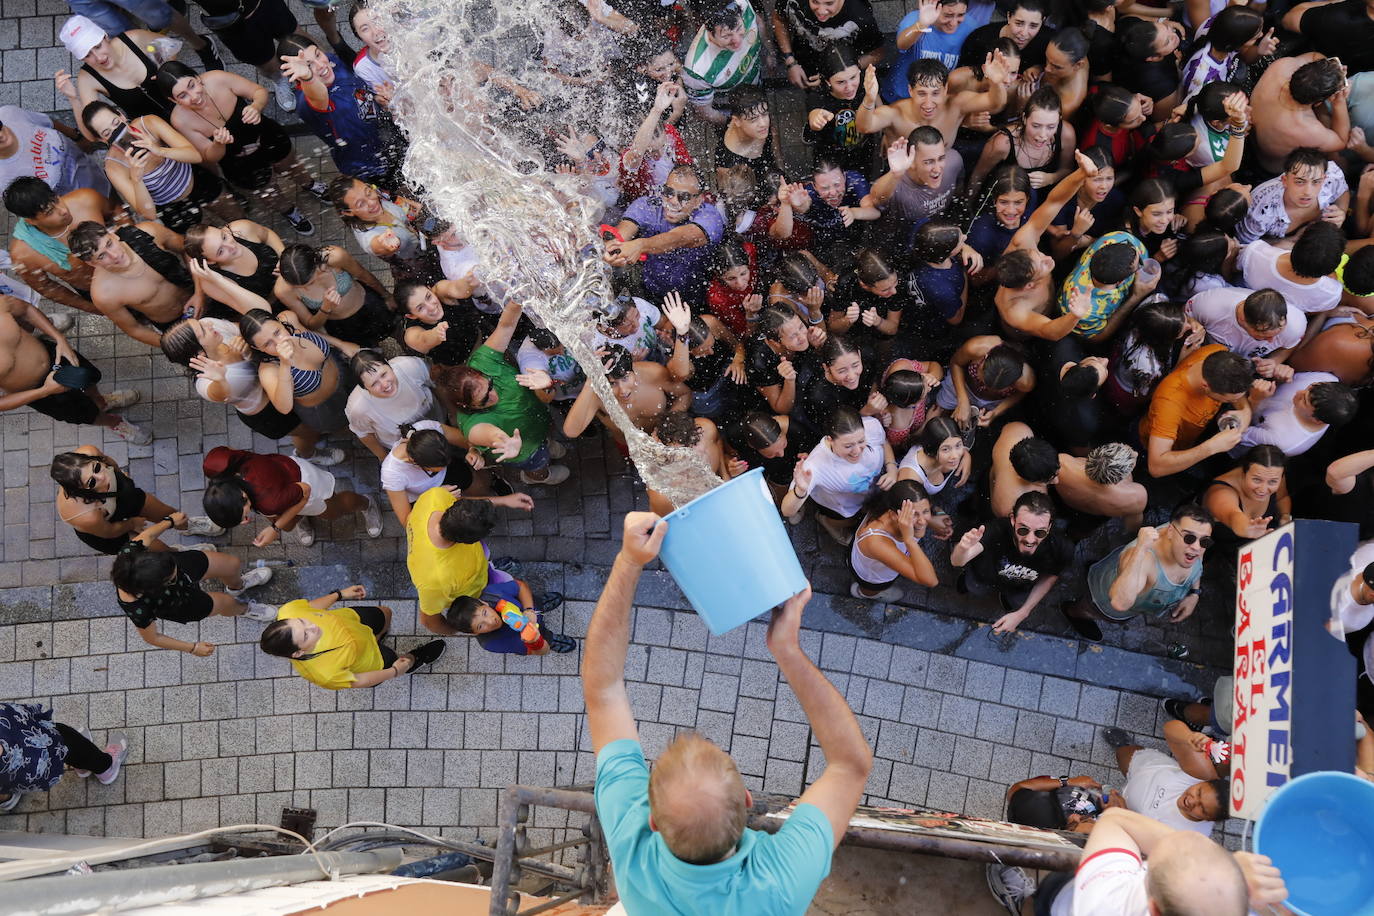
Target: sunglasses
<point x="1190" y="538"/>
<point x="681" y="196"/>
<point x="1039" y="533"/>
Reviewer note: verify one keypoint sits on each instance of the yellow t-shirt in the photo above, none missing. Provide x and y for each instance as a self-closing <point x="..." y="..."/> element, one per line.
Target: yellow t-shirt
<point x="441" y="574"/>
<point x="349" y="647"/>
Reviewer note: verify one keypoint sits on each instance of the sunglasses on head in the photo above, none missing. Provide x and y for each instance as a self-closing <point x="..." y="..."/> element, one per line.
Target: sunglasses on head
<point x="1190" y="538"/>
<point x="681" y="196"/>
<point x="1039" y="533"/>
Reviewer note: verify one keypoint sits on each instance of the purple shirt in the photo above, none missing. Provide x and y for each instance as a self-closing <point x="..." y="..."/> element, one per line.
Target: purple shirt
<point x="684" y="269"/>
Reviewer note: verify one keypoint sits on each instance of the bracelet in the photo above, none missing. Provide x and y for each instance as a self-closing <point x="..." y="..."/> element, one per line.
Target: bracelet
<point x="790" y="59"/>
<point x="870" y="107"/>
<point x="192" y="650"/>
<point x="168" y="520"/>
<point x="338" y="596"/>
<point x="798" y="495"/>
<point x="274" y="527"/>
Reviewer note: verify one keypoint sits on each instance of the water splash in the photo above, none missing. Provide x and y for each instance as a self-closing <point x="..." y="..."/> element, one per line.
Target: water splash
<point x="475" y="150"/>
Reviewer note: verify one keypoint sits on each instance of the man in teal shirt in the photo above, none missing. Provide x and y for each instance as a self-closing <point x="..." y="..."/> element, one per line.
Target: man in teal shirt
<point x="677" y="838"/>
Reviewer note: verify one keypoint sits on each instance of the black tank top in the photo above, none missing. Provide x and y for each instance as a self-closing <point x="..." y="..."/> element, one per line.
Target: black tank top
<point x="143" y="99"/>
<point x="460" y="340"/>
<point x="1051" y="165"/>
<point x="245" y="135"/>
<point x="1227" y="540"/>
<point x="169" y="266"/>
<point x="261" y="280"/>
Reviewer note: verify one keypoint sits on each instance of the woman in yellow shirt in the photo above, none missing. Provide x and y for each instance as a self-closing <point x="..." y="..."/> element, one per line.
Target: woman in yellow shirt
<point x="339" y="647"/>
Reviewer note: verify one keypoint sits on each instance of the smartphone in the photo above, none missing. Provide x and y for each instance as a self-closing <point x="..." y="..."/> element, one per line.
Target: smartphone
<point x="124" y="139"/>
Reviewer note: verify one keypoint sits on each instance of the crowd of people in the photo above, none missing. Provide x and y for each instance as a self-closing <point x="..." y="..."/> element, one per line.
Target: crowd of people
<point x="1050" y="269"/>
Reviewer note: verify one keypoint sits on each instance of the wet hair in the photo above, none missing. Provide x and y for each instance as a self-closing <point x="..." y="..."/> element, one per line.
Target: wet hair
<point x="298" y="263"/>
<point x="337" y="190"/>
<point x="1173" y="141"/>
<point x="1030" y="6"/>
<point x="1266" y="456"/>
<point x="1113" y="263"/>
<point x="1233" y="27"/>
<point x="404" y="293"/>
<point x="365" y="361"/>
<point x="617" y="362"/>
<point x="1072" y="43"/>
<point x="925" y="136"/>
<point x="835" y="346"/>
<point x="85" y="239"/>
<point x="678" y="428"/>
<point x="837" y="58"/>
<point x="544" y="339"/>
<point x="1358" y="275"/>
<point x="1046" y="98"/>
<point x="936" y="431"/>
<point x="1102" y="158"/>
<point x="179" y="343"/>
<point x="224" y="499"/>
<point x="1110" y="463"/>
<point x="1035" y="502"/>
<point x="1265" y="310"/>
<point x="927" y="71"/>
<point x="825" y="163"/>
<point x="26" y="197"/>
<point x="880" y="502"/>
<point x="1152" y="191"/>
<point x="1318" y="250"/>
<point x="843" y="421"/>
<point x="462" y="613"/>
<point x="1009" y="179"/>
<point x="1194" y="511"/>
<point x="728" y="255"/>
<point x="1015" y="269"/>
<point x="1136" y="37"/>
<point x="1225" y="211"/>
<point x="1227" y="373"/>
<point x="747" y="100"/>
<point x="1112" y="103"/>
<point x="461" y="382"/>
<point x="771" y="320"/>
<point x="467" y="521"/>
<point x="1079" y="382"/>
<point x="1333" y="403"/>
<point x="935" y="240"/>
<point x="721" y="16"/>
<point x="1036" y="808"/>
<point x="428" y="448"/>
<point x="93" y="108"/>
<point x="295" y="43"/>
<point x="1034" y="459"/>
<point x="251" y="324"/>
<point x="871" y="266"/>
<point x="276" y="639"/>
<point x="796" y="274"/>
<point x="760" y="429"/>
<point x="139" y="572"/>
<point x="68" y="470"/>
<point x="904" y="388"/>
<point x="686" y="168"/>
<point x="1315" y="82"/>
<point x="1305" y="157"/>
<point x="1210" y="101"/>
<point x="1156" y="326"/>
<point x="194" y="244"/>
<point x="171" y="73"/>
<point x="1003" y="366"/>
<point x="1203" y="252"/>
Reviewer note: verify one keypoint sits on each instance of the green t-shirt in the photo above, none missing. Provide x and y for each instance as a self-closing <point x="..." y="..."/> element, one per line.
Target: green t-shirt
<point x="516" y="406"/>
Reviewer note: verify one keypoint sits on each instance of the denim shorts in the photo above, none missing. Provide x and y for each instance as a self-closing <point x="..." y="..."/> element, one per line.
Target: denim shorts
<point x="537" y="461"/>
<point x="113" y="15"/>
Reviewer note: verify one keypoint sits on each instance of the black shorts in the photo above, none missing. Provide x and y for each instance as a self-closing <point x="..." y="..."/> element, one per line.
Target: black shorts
<point x="458" y="474"/>
<point x="253" y="171"/>
<point x="68" y="406"/>
<point x="375" y="620"/>
<point x="372" y="323"/>
<point x="253" y="39"/>
<point x="108" y="546"/>
<point x="271" y="422"/>
<point x="831" y="513"/>
<point x="194" y="564"/>
<point x="180" y="215"/>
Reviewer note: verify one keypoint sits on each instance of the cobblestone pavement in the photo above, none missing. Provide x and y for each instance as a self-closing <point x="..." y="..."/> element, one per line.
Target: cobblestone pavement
<point x="954" y="717"/>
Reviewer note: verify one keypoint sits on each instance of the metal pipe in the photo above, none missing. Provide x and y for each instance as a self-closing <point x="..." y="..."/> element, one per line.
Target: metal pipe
<point x="550" y="904"/>
<point x="545" y="850"/>
<point x="126" y="889"/>
<point x="426" y="868"/>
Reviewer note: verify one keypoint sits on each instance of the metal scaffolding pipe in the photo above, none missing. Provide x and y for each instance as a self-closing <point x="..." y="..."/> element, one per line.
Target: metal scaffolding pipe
<point x="139" y="887"/>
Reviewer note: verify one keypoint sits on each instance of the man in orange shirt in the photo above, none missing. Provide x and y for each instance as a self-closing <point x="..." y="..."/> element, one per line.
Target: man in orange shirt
<point x="1184" y="404"/>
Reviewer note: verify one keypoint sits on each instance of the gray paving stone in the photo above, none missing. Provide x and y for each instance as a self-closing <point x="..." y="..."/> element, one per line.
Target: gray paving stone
<point x="984" y="681"/>
<point x="996" y="723"/>
<point x="1022" y="689"/>
<point x="719" y="691"/>
<point x="908" y="784"/>
<point x="789" y="741"/>
<point x="750" y="754"/>
<point x="837" y="652"/>
<point x="934" y="750"/>
<point x="947" y="791"/>
<point x="972" y="757"/>
<point x="1034" y="731"/>
<point x="1097" y="704"/>
<point x="1010" y="765"/>
<point x="897" y="741"/>
<point x="759" y="679"/>
<point x="679" y="706"/>
<point x="666" y="666"/>
<point x="1059" y="697"/>
<point x="872" y="659"/>
<point x="1073" y="739"/>
<point x="959" y="715"/>
<point x="920" y="706"/>
<point x="946" y="673"/>
<point x="883" y="700"/>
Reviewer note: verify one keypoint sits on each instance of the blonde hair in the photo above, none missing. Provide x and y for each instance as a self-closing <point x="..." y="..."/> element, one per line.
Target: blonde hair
<point x="697" y="800"/>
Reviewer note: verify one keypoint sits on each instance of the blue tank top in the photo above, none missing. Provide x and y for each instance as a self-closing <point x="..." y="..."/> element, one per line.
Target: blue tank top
<point x="308" y="381"/>
<point x="1159" y="600"/>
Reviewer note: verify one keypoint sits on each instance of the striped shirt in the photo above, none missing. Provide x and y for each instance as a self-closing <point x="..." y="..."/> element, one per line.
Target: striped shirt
<point x="709" y="67"/>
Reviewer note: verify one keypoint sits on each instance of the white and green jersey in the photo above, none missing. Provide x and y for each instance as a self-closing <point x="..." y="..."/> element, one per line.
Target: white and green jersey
<point x="708" y="67"/>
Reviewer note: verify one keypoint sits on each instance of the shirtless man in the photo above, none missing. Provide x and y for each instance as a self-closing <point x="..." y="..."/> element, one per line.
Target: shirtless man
<point x="930" y="103"/>
<point x="1345" y="348"/>
<point x="123" y="277"/>
<point x="1021" y="462"/>
<point x="1289" y="105"/>
<point x="1025" y="291"/>
<point x="645" y="390"/>
<point x="701" y="436"/>
<point x="1101" y="484"/>
<point x="28" y="374"/>
<point x="38" y="245"/>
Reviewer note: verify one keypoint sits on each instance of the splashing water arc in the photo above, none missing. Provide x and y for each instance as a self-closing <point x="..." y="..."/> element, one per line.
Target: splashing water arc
<point x="475" y="153"/>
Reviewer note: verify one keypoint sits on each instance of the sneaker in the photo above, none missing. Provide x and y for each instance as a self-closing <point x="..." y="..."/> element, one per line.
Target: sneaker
<point x="1011" y="886"/>
<point x="124" y="397"/>
<point x="263" y="613"/>
<point x="317" y="188"/>
<point x="135" y="435"/>
<point x="508" y="565"/>
<point x="500" y="486"/>
<point x="305" y="531"/>
<point x="427" y="653"/>
<point x="201" y="526"/>
<point x="1116" y="737"/>
<point x="549" y="601"/>
<point x="1083" y="626"/>
<point x="258" y="575"/>
<point x="560" y="643"/>
<point x="887" y="594"/>
<point x="209" y="57"/>
<point x="556" y="449"/>
<point x="118" y="749"/>
<point x="63" y="321"/>
<point x="299" y="221"/>
<point x="12" y="802"/>
<point x="557" y="474"/>
<point x="372" y="516"/>
<point x="323" y="457"/>
<point x="1174" y="710"/>
<point x="843" y="538"/>
<point x="286" y="98"/>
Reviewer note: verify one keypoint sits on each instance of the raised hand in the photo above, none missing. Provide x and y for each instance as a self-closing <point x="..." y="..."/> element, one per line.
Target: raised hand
<point x="1085" y="165"/>
<point x="296" y="68"/>
<point x="212" y="370"/>
<point x="644" y="533"/>
<point x="995" y="67"/>
<point x="1080" y="302"/>
<point x="930" y="11"/>
<point x="506" y="447"/>
<point x="801" y="476"/>
<point x="752" y="303"/>
<point x="1147" y="536"/>
<point x="900" y="156"/>
<point x="814" y="299"/>
<point x="819" y="117"/>
<point x="876" y="402"/>
<point x="666" y="94"/>
<point x="535" y="380"/>
<point x="65" y="84"/>
<point x="871" y="318"/>
<point x="1268" y="44"/>
<point x="871" y="81"/>
<point x="677" y="312"/>
<point x="815" y="334"/>
<point x="969" y="546"/>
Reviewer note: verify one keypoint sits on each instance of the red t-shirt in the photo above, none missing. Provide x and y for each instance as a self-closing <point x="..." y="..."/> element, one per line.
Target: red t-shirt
<point x="727" y="304"/>
<point x="271" y="480"/>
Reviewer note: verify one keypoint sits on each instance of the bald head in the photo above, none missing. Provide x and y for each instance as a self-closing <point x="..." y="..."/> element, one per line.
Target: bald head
<point x="1192" y="876"/>
<point x="697" y="800"/>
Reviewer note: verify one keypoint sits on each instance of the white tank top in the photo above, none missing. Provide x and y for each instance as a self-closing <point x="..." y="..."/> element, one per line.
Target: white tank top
<point x="867" y="568"/>
<point x="241" y="378"/>
<point x="913" y="460"/>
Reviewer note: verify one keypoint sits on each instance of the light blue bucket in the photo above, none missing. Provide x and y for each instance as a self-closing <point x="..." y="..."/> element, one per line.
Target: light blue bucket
<point x="1319" y="832"/>
<point x="730" y="554"/>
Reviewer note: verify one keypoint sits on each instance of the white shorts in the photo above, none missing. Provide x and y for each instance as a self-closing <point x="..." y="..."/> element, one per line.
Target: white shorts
<point x="320" y="482"/>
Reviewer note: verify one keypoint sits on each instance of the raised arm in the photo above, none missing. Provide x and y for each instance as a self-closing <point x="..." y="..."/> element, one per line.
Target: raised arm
<point x="1028" y="236"/>
<point x="1133" y="570"/>
<point x="1341" y="473"/>
<point x="510" y="317"/>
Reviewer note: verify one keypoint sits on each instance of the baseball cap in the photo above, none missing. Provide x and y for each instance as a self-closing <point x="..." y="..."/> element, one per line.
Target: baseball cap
<point x="80" y="34"/>
<point x="1368" y="575"/>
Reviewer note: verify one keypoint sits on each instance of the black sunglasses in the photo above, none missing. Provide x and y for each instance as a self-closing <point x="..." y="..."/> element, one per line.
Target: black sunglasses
<point x="1190" y="538"/>
<point x="1040" y="533"/>
<point x="682" y="196"/>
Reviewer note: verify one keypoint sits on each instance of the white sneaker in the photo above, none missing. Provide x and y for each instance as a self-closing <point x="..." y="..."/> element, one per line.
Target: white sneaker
<point x="124" y="397"/>
<point x="556" y="449"/>
<point x="557" y="474"/>
<point x="258" y="575"/>
<point x="305" y="532"/>
<point x="285" y="95"/>
<point x="118" y="749"/>
<point x="201" y="526"/>
<point x="12" y="802"/>
<point x="135" y="435"/>
<point x="1010" y="885"/>
<point x="263" y="613"/>
<point x="323" y="457"/>
<point x="887" y="594"/>
<point x="63" y="321"/>
<point x="372" y="516"/>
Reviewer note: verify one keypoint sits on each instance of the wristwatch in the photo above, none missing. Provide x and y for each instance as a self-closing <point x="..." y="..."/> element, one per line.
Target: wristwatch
<point x="1063" y="781"/>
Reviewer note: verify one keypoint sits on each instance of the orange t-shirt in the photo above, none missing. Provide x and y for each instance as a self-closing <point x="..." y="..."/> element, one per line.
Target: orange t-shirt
<point x="1176" y="412"/>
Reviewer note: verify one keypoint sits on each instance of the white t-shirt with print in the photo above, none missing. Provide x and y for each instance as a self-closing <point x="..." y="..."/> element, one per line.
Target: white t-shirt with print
<point x="842" y="486"/>
<point x="1215" y="310"/>
<point x="413" y="400"/>
<point x="1275" y="423"/>
<point x="646" y="337"/>
<point x="1153" y="784"/>
<point x="44" y="153"/>
<point x="567" y="375"/>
